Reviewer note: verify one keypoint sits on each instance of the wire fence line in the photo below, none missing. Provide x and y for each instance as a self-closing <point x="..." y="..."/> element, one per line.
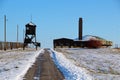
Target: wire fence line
<point x="10" y="45"/>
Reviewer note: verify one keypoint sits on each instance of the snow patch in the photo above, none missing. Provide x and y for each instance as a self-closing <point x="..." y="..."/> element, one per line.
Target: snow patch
<point x="14" y="64"/>
<point x="102" y="64"/>
<point x="69" y="70"/>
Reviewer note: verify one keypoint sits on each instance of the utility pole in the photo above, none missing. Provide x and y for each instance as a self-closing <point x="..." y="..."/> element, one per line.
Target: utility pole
<point x="23" y="38"/>
<point x="17" y="32"/>
<point x="17" y="35"/>
<point x="23" y="35"/>
<point x="5" y="32"/>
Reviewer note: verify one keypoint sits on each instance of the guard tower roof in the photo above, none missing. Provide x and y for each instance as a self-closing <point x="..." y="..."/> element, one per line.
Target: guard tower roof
<point x="31" y="24"/>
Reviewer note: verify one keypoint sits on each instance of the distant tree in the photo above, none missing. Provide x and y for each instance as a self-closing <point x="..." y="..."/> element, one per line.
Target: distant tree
<point x="93" y="43"/>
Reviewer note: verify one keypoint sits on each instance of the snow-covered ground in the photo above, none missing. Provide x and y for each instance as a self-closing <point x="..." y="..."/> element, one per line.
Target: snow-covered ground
<point x="69" y="70"/>
<point x="14" y="64"/>
<point x="75" y="64"/>
<point x="100" y="64"/>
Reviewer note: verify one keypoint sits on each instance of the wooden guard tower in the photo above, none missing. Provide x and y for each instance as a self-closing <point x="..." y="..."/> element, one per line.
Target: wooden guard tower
<point x="30" y="35"/>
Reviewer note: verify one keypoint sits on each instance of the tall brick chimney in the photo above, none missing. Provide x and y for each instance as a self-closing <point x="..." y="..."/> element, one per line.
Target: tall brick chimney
<point x="80" y="29"/>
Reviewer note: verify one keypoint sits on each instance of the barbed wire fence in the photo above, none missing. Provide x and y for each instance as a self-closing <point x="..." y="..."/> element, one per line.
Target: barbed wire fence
<point x="11" y="45"/>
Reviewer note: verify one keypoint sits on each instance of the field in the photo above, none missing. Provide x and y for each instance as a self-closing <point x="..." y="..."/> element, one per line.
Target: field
<point x="101" y="64"/>
<point x="15" y="63"/>
<point x="74" y="63"/>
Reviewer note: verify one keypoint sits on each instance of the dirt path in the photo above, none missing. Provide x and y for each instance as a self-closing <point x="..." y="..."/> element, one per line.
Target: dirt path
<point x="44" y="69"/>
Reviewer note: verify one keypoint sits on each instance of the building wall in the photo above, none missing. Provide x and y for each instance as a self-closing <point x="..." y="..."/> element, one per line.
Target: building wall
<point x="69" y="43"/>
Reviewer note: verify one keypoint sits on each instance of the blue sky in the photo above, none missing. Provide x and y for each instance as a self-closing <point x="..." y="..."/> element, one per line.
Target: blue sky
<point x="59" y="18"/>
